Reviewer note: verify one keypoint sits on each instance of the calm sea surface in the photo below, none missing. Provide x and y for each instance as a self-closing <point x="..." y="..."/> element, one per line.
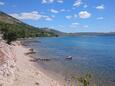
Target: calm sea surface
<point x="91" y="54"/>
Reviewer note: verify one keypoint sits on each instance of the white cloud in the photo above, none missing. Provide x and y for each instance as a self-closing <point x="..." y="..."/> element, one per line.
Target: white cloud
<point x="77" y="25"/>
<point x="54" y="11"/>
<point x="74" y="25"/>
<point x="68" y="17"/>
<point x="60" y="1"/>
<point x="84" y="14"/>
<point x="47" y="1"/>
<point x="78" y="3"/>
<point x="64" y="10"/>
<point x="47" y="18"/>
<point x="75" y="15"/>
<point x="34" y="15"/>
<point x="100" y="18"/>
<point x="71" y="16"/>
<point x="58" y="11"/>
<point x="2" y="3"/>
<point x="51" y="1"/>
<point x="100" y="7"/>
<point x="85" y="6"/>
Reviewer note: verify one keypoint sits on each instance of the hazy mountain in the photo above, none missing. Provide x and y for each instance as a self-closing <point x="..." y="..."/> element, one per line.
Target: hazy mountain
<point x="59" y="33"/>
<point x="91" y="34"/>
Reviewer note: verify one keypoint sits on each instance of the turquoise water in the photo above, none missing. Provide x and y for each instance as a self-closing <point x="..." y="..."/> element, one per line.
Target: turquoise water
<point x="91" y="54"/>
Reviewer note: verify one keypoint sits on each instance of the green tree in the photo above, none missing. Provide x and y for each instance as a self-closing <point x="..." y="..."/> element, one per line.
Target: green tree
<point x="9" y="37"/>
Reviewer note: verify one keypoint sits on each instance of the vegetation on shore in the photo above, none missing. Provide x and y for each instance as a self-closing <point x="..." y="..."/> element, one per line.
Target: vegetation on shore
<point x="85" y="80"/>
<point x="13" y="31"/>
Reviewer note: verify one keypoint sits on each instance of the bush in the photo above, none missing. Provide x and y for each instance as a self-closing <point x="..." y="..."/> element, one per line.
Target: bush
<point x="20" y="30"/>
<point x="85" y="80"/>
<point x="9" y="37"/>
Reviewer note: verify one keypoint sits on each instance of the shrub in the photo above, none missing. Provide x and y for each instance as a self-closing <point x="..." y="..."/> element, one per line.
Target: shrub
<point x="9" y="37"/>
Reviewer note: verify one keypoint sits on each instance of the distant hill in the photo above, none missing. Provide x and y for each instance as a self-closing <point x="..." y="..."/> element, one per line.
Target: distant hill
<point x="59" y="33"/>
<point x="92" y="34"/>
<point x="22" y="30"/>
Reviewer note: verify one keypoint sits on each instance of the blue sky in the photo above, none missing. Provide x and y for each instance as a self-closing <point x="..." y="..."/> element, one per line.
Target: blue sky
<point x="64" y="15"/>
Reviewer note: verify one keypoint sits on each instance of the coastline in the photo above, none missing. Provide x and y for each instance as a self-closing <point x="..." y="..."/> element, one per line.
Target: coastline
<point x="27" y="73"/>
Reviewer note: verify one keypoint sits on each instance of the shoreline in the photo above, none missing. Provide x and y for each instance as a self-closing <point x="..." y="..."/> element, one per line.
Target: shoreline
<point x="53" y="75"/>
<point x="28" y="74"/>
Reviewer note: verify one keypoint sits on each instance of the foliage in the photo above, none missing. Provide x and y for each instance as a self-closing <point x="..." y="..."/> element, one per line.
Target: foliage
<point x="9" y="36"/>
<point x="20" y="30"/>
<point x="85" y="80"/>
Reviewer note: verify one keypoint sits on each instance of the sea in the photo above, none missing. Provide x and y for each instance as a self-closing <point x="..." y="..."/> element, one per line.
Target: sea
<point x="93" y="55"/>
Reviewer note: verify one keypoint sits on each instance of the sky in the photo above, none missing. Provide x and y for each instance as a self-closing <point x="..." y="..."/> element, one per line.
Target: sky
<point x="64" y="15"/>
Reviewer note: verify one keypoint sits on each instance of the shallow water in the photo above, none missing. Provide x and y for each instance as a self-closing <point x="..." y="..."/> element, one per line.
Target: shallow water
<point x="91" y="54"/>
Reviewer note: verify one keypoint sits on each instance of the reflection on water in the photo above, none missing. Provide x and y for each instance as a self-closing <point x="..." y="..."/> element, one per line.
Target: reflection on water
<point x="91" y="54"/>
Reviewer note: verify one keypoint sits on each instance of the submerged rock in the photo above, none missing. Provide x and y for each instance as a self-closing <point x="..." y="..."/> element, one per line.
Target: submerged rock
<point x="69" y="58"/>
<point x="39" y="59"/>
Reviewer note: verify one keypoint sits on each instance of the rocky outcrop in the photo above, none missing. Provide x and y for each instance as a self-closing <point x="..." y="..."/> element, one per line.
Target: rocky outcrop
<point x="7" y="64"/>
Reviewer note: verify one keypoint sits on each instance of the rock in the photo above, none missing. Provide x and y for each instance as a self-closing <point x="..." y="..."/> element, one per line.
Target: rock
<point x="31" y="50"/>
<point x="37" y="83"/>
<point x="39" y="59"/>
<point x="7" y="64"/>
<point x="28" y="53"/>
<point x="69" y="58"/>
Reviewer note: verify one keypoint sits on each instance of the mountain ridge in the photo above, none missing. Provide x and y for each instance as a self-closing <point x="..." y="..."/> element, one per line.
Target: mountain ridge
<point x="8" y="19"/>
<point x="13" y="29"/>
<point x="9" y="22"/>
